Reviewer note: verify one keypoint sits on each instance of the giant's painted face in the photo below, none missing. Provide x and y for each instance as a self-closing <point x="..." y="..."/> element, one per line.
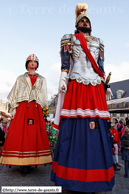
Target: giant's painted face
<point x="84" y="22"/>
<point x="32" y="65"/>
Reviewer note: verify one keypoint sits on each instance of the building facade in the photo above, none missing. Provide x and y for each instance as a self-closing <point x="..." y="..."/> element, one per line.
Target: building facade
<point x="119" y="104"/>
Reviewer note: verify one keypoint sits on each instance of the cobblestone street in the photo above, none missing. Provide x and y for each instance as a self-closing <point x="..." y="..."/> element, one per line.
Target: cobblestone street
<point x="40" y="176"/>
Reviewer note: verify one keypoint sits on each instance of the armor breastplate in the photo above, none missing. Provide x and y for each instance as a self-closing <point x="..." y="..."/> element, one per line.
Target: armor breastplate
<point x="82" y="70"/>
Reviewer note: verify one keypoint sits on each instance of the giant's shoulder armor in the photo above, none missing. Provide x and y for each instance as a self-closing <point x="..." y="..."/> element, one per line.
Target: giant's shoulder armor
<point x="67" y="40"/>
<point x="70" y="39"/>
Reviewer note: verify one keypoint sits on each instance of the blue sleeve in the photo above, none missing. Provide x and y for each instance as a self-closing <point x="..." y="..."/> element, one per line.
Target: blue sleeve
<point x="101" y="64"/>
<point x="101" y="67"/>
<point x="65" y="59"/>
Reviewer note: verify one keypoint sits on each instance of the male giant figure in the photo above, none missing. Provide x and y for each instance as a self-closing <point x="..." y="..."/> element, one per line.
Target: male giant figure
<point x="83" y="155"/>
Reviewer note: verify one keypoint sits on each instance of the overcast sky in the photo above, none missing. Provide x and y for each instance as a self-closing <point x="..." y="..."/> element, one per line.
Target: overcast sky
<point x="36" y="26"/>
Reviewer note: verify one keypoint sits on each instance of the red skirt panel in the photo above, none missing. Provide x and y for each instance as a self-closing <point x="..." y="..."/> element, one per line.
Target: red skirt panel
<point x="85" y="101"/>
<point x="27" y="144"/>
<point x="83" y="175"/>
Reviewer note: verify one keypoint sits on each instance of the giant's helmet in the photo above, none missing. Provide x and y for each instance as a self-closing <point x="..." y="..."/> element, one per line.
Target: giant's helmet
<point x="80" y="12"/>
<point x="32" y="57"/>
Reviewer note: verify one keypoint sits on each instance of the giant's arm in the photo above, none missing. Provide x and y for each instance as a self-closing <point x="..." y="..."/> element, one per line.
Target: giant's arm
<point x="65" y="61"/>
<point x="101" y="67"/>
<point x="12" y="97"/>
<point x="101" y="56"/>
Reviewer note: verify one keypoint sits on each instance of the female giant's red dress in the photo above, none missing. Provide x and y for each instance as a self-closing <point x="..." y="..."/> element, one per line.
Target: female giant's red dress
<point x="27" y="144"/>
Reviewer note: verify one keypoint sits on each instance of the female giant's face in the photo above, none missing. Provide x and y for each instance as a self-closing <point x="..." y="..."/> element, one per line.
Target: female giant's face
<point x="32" y="65"/>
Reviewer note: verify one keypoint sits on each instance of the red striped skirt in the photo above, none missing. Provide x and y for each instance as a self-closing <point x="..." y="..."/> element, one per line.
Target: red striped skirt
<point x="26" y="144"/>
<point x="85" y="101"/>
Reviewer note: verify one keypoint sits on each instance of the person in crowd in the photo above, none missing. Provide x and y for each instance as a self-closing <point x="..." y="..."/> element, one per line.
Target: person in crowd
<point x="123" y="130"/>
<point x="120" y="126"/>
<point x="1" y="121"/>
<point x="52" y="136"/>
<point x="116" y="168"/>
<point x="116" y="123"/>
<point x="116" y="143"/>
<point x="127" y="121"/>
<point x="125" y="150"/>
<point x="2" y="139"/>
<point x="27" y="143"/>
<point x="83" y="156"/>
<point x="5" y="125"/>
<point x="47" y="125"/>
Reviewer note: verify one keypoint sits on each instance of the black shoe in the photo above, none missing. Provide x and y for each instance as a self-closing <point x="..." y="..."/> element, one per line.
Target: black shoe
<point x="25" y="170"/>
<point x="117" y="168"/>
<point x="29" y="169"/>
<point x="125" y="176"/>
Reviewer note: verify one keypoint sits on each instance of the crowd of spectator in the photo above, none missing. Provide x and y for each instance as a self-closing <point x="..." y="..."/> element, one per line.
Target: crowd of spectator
<point x="4" y="125"/>
<point x="120" y="134"/>
<point x="52" y="136"/>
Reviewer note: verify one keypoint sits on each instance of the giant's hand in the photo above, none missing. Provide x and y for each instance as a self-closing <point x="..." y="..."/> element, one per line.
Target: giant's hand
<point x="62" y="83"/>
<point x="108" y="94"/>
